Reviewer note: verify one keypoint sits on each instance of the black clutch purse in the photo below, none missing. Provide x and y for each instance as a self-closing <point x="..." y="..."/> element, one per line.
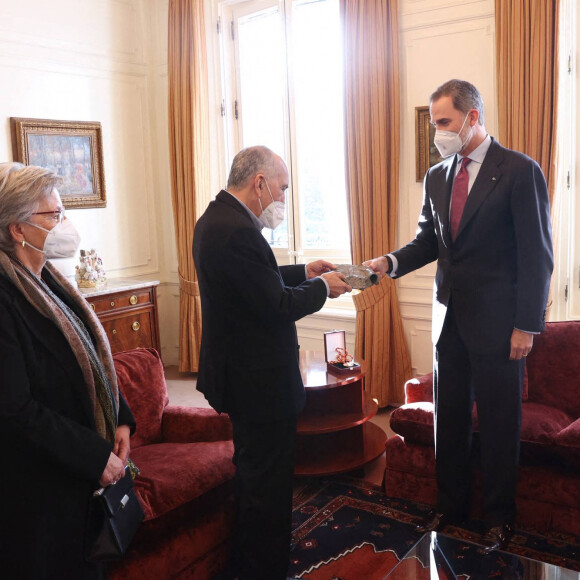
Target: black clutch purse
<point x="114" y="517"/>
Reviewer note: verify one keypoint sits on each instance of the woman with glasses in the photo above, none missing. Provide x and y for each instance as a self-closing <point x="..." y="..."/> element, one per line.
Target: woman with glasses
<point x="64" y="426"/>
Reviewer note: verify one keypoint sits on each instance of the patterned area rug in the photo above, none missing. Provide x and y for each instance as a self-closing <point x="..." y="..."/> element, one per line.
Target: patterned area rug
<point x="347" y="529"/>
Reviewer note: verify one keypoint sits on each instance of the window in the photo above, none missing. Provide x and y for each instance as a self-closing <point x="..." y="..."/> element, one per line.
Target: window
<point x="282" y="86"/>
<point x="566" y="297"/>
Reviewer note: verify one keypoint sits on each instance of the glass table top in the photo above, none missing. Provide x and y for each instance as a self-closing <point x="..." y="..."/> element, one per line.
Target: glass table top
<point x="445" y="558"/>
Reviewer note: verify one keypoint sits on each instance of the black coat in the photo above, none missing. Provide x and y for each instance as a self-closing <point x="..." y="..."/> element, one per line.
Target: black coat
<point x="52" y="456"/>
<point x="497" y="272"/>
<point x="249" y="349"/>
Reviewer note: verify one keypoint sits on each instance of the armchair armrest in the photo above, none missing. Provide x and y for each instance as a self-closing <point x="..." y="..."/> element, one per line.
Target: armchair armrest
<point x="193" y="424"/>
<point x="419" y="389"/>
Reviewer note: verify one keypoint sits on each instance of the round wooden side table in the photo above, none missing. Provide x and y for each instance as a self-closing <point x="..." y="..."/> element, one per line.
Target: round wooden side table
<point x="334" y="432"/>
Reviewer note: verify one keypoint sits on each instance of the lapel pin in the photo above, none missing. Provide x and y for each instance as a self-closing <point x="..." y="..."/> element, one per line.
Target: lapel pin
<point x="493" y="179"/>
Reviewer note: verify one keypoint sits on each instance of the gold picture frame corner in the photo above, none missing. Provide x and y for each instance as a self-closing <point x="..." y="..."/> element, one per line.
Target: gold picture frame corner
<point x="426" y="154"/>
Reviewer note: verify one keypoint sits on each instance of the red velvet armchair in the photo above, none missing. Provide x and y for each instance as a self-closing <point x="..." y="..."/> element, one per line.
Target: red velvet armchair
<point x="185" y="486"/>
<point x="548" y="491"/>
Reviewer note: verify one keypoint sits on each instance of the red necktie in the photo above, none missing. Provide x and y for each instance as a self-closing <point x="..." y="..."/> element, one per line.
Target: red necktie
<point x="459" y="196"/>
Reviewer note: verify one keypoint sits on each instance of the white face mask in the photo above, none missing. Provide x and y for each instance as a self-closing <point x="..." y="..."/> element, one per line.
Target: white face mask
<point x="449" y="143"/>
<point x="273" y="215"/>
<point x="62" y="241"/>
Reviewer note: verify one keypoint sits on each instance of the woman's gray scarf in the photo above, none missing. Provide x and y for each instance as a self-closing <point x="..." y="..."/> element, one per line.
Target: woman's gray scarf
<point x="95" y="359"/>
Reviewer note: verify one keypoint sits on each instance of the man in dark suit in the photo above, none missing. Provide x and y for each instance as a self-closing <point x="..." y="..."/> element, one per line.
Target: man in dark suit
<point x="494" y="262"/>
<point x="249" y="349"/>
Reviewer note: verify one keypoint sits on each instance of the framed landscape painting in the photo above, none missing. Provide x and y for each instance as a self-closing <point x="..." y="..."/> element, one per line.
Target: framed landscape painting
<point x="74" y="149"/>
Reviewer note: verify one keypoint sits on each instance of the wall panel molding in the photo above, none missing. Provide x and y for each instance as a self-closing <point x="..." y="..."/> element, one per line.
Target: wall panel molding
<point x="416" y="14"/>
<point x="105" y="29"/>
<point x="92" y="68"/>
<point x="421" y="347"/>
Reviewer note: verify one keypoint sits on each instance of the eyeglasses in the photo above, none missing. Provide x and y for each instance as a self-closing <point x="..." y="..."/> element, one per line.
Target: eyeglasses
<point x="57" y="215"/>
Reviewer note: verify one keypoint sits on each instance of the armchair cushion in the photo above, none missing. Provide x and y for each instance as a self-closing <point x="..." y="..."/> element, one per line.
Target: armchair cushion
<point x="414" y="422"/>
<point x="190" y="424"/>
<point x="175" y="474"/>
<point x="568" y="445"/>
<point x="554" y="367"/>
<point x="142" y="382"/>
<point x="541" y="424"/>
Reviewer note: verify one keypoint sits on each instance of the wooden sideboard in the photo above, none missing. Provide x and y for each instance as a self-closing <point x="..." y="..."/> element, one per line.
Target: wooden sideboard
<point x="334" y="431"/>
<point x="127" y="310"/>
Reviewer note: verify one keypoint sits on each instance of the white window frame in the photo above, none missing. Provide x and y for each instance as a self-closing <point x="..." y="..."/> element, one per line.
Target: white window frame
<point x="566" y="286"/>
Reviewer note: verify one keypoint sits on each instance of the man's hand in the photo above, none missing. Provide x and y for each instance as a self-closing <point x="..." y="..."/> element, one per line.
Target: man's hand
<point x="114" y="471"/>
<point x="521" y="344"/>
<point x="336" y="284"/>
<point x="319" y="267"/>
<point x="122" y="445"/>
<point x="379" y="265"/>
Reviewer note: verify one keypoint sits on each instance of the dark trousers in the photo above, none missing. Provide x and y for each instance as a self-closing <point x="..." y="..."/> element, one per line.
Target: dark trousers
<point x="264" y="459"/>
<point x="495" y="382"/>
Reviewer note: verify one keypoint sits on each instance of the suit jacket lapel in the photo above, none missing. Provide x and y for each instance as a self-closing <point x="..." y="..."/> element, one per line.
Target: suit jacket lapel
<point x="486" y="180"/>
<point x="227" y="198"/>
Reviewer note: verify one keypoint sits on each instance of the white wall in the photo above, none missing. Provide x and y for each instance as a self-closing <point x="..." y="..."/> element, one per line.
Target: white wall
<point x="99" y="61"/>
<point x="439" y="40"/>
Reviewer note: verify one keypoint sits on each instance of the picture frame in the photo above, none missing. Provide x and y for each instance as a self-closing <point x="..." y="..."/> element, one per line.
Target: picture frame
<point x="426" y="154"/>
<point x="74" y="149"/>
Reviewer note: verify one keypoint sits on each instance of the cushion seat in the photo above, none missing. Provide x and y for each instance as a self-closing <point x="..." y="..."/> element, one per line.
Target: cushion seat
<point x="541" y="426"/>
<point x="541" y="423"/>
<point x="568" y="445"/>
<point x="414" y="422"/>
<point x="173" y="475"/>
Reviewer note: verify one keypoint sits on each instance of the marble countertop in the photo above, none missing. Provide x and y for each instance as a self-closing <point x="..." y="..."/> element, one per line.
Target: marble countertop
<point x="117" y="285"/>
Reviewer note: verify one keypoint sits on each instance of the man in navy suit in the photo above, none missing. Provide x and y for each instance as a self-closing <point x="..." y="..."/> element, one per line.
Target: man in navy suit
<point x="249" y="349"/>
<point x="494" y="263"/>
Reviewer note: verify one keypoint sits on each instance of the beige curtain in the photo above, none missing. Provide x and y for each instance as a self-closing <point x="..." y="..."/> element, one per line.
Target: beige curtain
<point x="372" y="153"/>
<point x="527" y="71"/>
<point x="189" y="146"/>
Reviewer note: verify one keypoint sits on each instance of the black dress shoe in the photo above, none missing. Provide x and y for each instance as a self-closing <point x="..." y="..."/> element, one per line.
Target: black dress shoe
<point x="496" y="538"/>
<point x="435" y="522"/>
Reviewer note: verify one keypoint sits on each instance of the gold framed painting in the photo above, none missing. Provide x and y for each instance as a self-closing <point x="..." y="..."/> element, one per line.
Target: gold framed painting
<point x="74" y="149"/>
<point x="426" y="154"/>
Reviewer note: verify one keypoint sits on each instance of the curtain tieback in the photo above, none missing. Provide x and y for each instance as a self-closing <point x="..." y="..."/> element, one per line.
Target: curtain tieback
<point x="189" y="287"/>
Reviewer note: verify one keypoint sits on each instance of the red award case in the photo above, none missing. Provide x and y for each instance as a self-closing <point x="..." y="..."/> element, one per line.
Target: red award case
<point x="333" y="340"/>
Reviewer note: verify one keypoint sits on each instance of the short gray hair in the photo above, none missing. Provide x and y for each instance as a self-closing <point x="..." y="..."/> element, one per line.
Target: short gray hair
<point x="22" y="188"/>
<point x="463" y="94"/>
<point x="248" y="162"/>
